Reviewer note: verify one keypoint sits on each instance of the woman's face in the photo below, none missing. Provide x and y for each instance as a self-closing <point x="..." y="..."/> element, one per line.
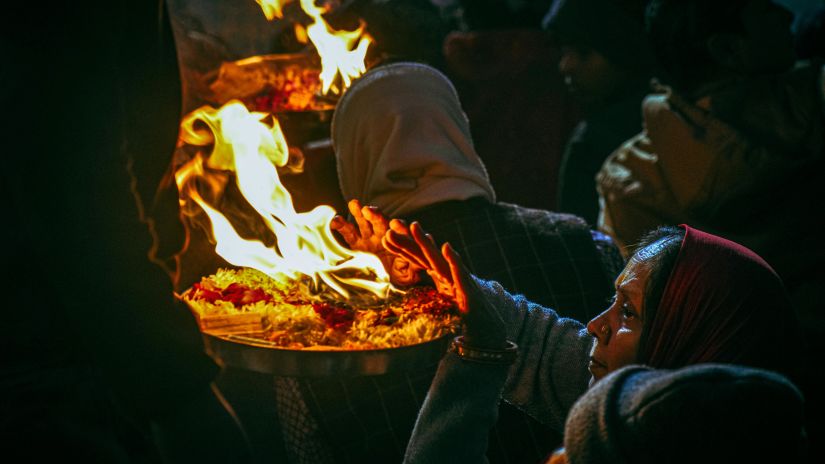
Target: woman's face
<point x="618" y="329"/>
<point x="589" y="76"/>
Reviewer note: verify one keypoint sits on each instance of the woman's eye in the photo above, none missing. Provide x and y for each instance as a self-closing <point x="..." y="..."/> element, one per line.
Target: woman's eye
<point x="627" y="311"/>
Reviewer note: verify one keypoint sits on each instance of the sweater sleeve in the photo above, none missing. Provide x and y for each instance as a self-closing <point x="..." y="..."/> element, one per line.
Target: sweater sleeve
<point x="545" y="380"/>
<point x="458" y="412"/>
<point x="550" y="372"/>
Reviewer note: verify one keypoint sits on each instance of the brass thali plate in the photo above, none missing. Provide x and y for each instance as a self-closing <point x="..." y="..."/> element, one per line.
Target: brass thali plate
<point x="261" y="356"/>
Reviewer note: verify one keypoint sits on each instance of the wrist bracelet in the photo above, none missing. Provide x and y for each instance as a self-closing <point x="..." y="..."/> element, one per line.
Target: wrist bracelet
<point x="504" y="355"/>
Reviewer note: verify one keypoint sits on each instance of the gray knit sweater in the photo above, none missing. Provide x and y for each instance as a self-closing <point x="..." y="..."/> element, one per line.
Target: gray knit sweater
<point x="548" y="376"/>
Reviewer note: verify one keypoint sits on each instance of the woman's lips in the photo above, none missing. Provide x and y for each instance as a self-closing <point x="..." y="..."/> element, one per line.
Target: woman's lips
<point x="595" y="367"/>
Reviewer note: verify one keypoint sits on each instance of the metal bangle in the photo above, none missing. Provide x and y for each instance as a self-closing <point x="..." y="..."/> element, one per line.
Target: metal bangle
<point x="505" y="355"/>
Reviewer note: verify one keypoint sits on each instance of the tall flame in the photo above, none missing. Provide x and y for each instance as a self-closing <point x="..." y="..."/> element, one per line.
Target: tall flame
<point x="247" y="146"/>
<point x="342" y="52"/>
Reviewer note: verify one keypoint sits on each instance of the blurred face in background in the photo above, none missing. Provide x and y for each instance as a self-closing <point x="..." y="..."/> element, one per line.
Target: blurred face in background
<point x="589" y="76"/>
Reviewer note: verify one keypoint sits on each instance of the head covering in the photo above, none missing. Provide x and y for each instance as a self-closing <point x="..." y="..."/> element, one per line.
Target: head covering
<point x="402" y="141"/>
<point x="722" y="303"/>
<point x="614" y="28"/>
<point x="708" y="413"/>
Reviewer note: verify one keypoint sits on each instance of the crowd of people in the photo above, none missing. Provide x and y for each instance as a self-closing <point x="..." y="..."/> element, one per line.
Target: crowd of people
<point x="696" y="158"/>
<point x="670" y="308"/>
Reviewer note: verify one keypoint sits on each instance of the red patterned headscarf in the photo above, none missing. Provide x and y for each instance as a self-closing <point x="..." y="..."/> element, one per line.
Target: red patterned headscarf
<point x="722" y="303"/>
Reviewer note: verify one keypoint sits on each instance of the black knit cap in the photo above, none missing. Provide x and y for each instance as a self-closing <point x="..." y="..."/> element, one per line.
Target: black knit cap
<point x="614" y="28"/>
<point x="708" y="413"/>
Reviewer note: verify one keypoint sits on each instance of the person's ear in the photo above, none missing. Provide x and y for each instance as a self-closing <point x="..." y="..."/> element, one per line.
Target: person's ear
<point x="727" y="50"/>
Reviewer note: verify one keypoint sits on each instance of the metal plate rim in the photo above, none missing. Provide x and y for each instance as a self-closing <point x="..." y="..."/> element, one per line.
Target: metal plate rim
<point x="231" y="351"/>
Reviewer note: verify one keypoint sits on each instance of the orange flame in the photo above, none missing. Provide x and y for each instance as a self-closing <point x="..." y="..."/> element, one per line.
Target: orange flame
<point x="342" y="52"/>
<point x="244" y="144"/>
<point x="272" y="8"/>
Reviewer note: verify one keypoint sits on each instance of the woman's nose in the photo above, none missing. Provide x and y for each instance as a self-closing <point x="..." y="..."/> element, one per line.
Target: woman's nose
<point x="598" y="325"/>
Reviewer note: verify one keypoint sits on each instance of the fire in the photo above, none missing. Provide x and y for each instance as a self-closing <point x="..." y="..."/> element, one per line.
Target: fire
<point x="342" y="52"/>
<point x="243" y="144"/>
<point x="272" y="8"/>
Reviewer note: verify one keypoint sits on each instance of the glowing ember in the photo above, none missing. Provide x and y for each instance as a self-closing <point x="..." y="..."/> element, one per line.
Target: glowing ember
<point x="244" y="144"/>
<point x="294" y="91"/>
<point x="271" y="83"/>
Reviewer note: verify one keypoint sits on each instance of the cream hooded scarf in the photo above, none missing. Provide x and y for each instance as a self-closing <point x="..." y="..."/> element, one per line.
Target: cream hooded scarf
<point x="402" y="141"/>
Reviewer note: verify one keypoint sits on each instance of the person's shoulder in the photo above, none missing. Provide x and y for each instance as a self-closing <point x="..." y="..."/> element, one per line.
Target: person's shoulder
<point x="549" y="221"/>
<point x="449" y="211"/>
<point x="661" y="101"/>
<point x="671" y="116"/>
<point x="655" y="103"/>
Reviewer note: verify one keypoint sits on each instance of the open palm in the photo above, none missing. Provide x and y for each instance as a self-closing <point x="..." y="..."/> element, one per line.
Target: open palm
<point x="484" y="327"/>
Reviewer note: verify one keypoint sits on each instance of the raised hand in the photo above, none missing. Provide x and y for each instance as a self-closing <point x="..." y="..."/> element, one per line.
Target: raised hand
<point x="418" y="248"/>
<point x="484" y="327"/>
<point x="367" y="235"/>
<point x="370" y="229"/>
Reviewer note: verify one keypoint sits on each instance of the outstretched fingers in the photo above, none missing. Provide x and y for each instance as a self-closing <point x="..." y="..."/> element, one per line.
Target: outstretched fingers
<point x="364" y="226"/>
<point x="378" y="222"/>
<point x="406" y="247"/>
<point x="399" y="226"/>
<point x="347" y="230"/>
<point x="459" y="276"/>
<point x="483" y="325"/>
<point x="436" y="261"/>
<point x="412" y="244"/>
